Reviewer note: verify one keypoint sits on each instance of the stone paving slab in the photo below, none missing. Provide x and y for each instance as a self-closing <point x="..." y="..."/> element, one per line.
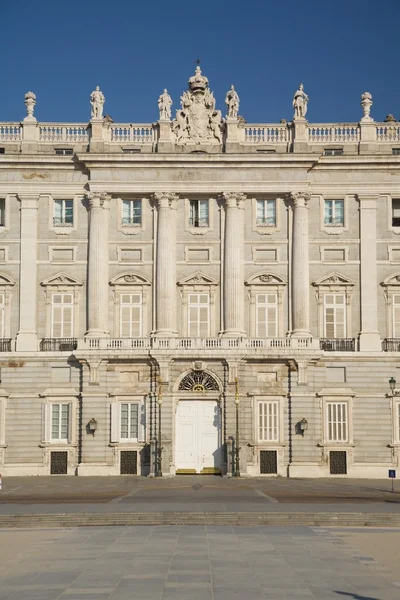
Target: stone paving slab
<point x="199" y="563"/>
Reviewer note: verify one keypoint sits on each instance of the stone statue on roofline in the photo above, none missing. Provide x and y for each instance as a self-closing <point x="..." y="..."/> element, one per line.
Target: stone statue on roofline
<point x="232" y="103"/>
<point x="300" y="101"/>
<point x="164" y="105"/>
<point x="97" y="101"/>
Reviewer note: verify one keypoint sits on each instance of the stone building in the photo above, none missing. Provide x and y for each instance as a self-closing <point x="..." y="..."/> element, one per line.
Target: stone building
<point x="199" y="290"/>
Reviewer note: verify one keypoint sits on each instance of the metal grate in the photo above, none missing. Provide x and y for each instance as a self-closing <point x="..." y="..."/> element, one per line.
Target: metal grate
<point x="338" y="462"/>
<point x="58" y="345"/>
<point x="128" y="462"/>
<point x="59" y="463"/>
<point x="268" y="462"/>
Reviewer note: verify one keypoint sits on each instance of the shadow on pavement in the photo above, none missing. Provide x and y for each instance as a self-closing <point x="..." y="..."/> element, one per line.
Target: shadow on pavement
<point x="356" y="596"/>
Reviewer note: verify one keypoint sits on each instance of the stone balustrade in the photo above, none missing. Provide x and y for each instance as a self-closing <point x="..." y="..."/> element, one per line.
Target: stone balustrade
<point x="69" y="133"/>
<point x="10" y="132"/>
<point x="123" y="133"/>
<point x="267" y="134"/>
<point x="325" y="133"/>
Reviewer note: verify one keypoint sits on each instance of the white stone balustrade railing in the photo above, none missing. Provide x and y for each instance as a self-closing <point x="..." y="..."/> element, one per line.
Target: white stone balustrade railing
<point x="143" y="344"/>
<point x="267" y="134"/>
<point x="387" y="133"/>
<point x="69" y="133"/>
<point x="10" y="132"/>
<point x="323" y="133"/>
<point x="123" y="133"/>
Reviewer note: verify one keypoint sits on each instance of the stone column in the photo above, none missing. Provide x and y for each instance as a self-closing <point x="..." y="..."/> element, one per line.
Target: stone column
<point x="166" y="264"/>
<point x="233" y="265"/>
<point x="27" y="334"/>
<point x="369" y="336"/>
<point x="300" y="266"/>
<point x="98" y="265"/>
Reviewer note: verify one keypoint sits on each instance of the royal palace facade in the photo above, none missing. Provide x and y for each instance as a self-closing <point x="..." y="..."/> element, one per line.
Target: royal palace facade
<point x="200" y="295"/>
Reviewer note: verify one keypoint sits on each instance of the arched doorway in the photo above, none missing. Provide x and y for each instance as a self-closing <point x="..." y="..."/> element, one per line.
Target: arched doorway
<point x="198" y="426"/>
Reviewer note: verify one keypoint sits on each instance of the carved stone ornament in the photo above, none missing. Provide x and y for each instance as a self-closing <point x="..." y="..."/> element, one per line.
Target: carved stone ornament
<point x="97" y="101"/>
<point x="98" y="199"/>
<point x="197" y="121"/>
<point x="300" y="101"/>
<point x="30" y="103"/>
<point x="164" y="105"/>
<point x="300" y="198"/>
<point x="366" y="103"/>
<point x="232" y="101"/>
<point x="130" y="278"/>
<point x="266" y="278"/>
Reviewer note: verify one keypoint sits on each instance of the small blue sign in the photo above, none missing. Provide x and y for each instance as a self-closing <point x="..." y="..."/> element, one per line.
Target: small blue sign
<point x="392" y="474"/>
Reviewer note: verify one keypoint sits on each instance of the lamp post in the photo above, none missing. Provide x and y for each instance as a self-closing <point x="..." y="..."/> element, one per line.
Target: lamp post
<point x="237" y="448"/>
<point x="159" y="448"/>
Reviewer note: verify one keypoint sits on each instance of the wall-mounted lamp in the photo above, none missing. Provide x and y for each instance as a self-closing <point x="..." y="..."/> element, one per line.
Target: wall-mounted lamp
<point x="392" y="385"/>
<point x="303" y="426"/>
<point x="92" y="426"/>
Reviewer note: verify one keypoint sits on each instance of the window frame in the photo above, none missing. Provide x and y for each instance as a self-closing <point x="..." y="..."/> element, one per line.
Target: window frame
<point x="198" y="305"/>
<point x="63" y="229"/>
<point x="266" y="282"/>
<point x="131" y="305"/>
<point x="196" y="231"/>
<point x="195" y="210"/>
<point x="63" y="306"/>
<point x="61" y="283"/>
<point x="336" y="395"/>
<point x="334" y="283"/>
<point x="8" y="198"/>
<point x="335" y="306"/>
<point x="197" y="282"/>
<point x="61" y="406"/>
<point x="336" y="423"/>
<point x="115" y="420"/>
<point x="267" y="229"/>
<point x="63" y="396"/>
<point x="131" y="228"/>
<point x="267" y="306"/>
<point x="277" y="404"/>
<point x="64" y="219"/>
<point x="130" y="282"/>
<point x="135" y="207"/>
<point x="334" y="229"/>
<point x="6" y="285"/>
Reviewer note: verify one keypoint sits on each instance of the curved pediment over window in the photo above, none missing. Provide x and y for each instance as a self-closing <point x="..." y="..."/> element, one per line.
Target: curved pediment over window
<point x="393" y="279"/>
<point x="130" y="278"/>
<point x="61" y="278"/>
<point x="265" y="278"/>
<point x="198" y="278"/>
<point x="6" y="280"/>
<point x="334" y="278"/>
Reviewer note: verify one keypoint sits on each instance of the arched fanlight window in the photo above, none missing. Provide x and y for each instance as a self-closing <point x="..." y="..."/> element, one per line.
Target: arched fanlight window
<point x="198" y="381"/>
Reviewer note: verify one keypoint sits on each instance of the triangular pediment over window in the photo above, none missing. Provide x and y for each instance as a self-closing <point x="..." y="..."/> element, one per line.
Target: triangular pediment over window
<point x="61" y="279"/>
<point x="6" y="280"/>
<point x="265" y="278"/>
<point x="130" y="278"/>
<point x="334" y="278"/>
<point x="198" y="278"/>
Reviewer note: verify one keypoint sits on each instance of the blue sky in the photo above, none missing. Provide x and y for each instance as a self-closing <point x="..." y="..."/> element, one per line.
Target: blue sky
<point x="133" y="49"/>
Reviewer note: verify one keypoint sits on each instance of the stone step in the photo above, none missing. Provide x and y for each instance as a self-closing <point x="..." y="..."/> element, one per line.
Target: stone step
<point x="323" y="519"/>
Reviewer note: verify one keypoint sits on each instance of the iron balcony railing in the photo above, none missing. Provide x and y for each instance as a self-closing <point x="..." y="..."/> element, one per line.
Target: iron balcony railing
<point x="391" y="345"/>
<point x="58" y="344"/>
<point x="337" y="344"/>
<point x="5" y="344"/>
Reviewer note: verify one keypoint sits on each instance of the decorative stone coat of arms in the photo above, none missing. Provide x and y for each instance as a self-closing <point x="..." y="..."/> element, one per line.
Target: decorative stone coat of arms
<point x="198" y="121"/>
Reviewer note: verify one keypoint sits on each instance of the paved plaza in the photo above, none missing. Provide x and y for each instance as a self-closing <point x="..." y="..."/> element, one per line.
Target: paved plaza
<point x="199" y="563"/>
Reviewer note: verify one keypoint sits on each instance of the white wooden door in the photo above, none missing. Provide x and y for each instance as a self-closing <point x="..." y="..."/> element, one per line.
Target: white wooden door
<point x="198" y="436"/>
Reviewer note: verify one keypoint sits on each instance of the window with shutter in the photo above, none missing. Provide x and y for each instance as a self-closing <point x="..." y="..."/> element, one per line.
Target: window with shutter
<point x="60" y="422"/>
<point x="336" y="416"/>
<point x="268" y="421"/>
<point x="62" y="312"/>
<point x="199" y="315"/>
<point x="2" y="315"/>
<point x="130" y="315"/>
<point x="267" y="315"/>
<point x="334" y="316"/>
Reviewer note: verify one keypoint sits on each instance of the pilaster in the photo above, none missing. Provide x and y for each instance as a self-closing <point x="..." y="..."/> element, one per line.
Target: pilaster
<point x="27" y="333"/>
<point x="166" y="203"/>
<point x="369" y="336"/>
<point x="98" y="265"/>
<point x="234" y="265"/>
<point x="300" y="266"/>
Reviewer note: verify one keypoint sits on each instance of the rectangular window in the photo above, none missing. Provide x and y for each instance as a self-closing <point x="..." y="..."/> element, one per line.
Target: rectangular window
<point x="334" y="316"/>
<point x="2" y="312"/>
<point x="199" y="213"/>
<point x="395" y="150"/>
<point x="64" y="151"/>
<point x="59" y="421"/>
<point x="396" y="315"/>
<point x="130" y="315"/>
<point x="199" y="315"/>
<point x="63" y="213"/>
<point x="129" y="421"/>
<point x="334" y="213"/>
<point x="132" y="213"/>
<point x="333" y="151"/>
<point x="267" y="315"/>
<point x="336" y="415"/>
<point x="2" y="212"/>
<point x="395" y="212"/>
<point x="266" y="213"/>
<point x="268" y="421"/>
<point x="62" y="312"/>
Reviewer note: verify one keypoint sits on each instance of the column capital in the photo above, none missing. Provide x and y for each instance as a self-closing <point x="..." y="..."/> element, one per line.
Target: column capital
<point x="234" y="199"/>
<point x="165" y="200"/>
<point x="300" y="199"/>
<point x="98" y="199"/>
